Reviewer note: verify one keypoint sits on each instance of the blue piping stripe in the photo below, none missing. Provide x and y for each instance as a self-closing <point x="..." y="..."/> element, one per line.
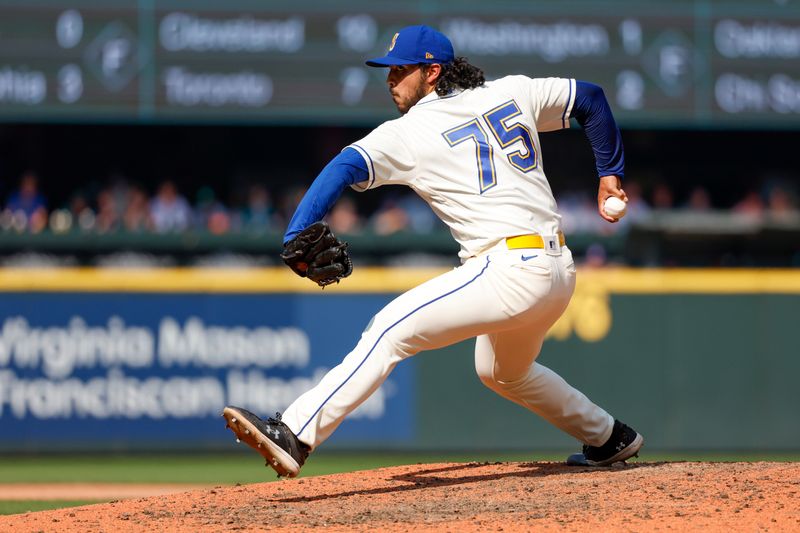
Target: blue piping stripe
<point x="381" y="336"/>
<point x="371" y="164"/>
<point x="569" y="99"/>
<point x="440" y="98"/>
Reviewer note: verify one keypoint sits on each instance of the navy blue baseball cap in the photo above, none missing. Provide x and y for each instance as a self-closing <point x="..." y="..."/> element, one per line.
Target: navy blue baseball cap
<point x="416" y="44"/>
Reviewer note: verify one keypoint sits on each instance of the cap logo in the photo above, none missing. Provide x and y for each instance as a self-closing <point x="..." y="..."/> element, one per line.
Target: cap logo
<point x="394" y="41"/>
<point x="428" y="55"/>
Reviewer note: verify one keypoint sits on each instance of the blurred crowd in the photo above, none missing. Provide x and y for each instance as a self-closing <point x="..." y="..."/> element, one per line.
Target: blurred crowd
<point x="121" y="205"/>
<point x="774" y="201"/>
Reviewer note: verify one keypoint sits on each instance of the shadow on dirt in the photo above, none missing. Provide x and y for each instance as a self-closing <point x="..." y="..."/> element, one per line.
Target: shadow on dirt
<point x="434" y="477"/>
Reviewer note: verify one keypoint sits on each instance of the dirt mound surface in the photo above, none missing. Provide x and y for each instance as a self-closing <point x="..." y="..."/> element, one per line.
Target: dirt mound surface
<point x="467" y="497"/>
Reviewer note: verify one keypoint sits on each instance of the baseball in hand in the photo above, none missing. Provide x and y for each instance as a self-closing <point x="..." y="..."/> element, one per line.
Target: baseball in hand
<point x="614" y="207"/>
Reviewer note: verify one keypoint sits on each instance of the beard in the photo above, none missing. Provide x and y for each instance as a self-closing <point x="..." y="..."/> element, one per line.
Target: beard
<point x="420" y="92"/>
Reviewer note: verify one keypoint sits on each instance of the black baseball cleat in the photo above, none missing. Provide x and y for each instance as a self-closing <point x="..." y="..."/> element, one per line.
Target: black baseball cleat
<point x="623" y="444"/>
<point x="271" y="438"/>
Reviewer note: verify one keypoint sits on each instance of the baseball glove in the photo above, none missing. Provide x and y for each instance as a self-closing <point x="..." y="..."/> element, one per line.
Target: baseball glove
<point x="315" y="253"/>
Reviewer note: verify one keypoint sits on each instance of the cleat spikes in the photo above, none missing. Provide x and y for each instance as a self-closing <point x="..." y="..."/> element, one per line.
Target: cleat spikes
<point x="272" y="439"/>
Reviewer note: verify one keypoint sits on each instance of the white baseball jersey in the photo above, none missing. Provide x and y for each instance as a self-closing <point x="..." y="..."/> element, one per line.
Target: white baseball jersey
<point x="475" y="157"/>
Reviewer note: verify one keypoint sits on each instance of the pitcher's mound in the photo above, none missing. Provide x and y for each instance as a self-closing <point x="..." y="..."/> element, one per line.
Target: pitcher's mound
<point x="467" y="497"/>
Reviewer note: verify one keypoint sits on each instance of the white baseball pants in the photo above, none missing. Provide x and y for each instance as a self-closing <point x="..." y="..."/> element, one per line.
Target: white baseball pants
<point x="508" y="299"/>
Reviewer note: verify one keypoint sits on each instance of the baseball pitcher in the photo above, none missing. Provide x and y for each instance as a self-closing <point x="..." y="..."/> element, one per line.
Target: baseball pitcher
<point x="470" y="148"/>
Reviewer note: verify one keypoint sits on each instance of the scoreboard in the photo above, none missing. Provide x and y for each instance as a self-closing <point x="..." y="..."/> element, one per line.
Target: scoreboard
<point x="678" y="63"/>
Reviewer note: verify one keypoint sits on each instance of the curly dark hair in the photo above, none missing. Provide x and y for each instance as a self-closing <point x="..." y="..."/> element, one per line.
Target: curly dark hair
<point x="458" y="74"/>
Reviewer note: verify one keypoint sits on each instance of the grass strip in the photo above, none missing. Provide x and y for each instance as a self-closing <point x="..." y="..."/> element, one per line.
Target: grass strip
<point x="30" y="506"/>
<point x="227" y="468"/>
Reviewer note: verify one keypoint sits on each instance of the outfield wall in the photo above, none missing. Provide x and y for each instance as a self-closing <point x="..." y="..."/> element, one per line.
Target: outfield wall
<point x="127" y="359"/>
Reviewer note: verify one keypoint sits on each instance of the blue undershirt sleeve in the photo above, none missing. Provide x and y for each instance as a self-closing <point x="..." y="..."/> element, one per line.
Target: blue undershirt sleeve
<point x="593" y="113"/>
<point x="344" y="170"/>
